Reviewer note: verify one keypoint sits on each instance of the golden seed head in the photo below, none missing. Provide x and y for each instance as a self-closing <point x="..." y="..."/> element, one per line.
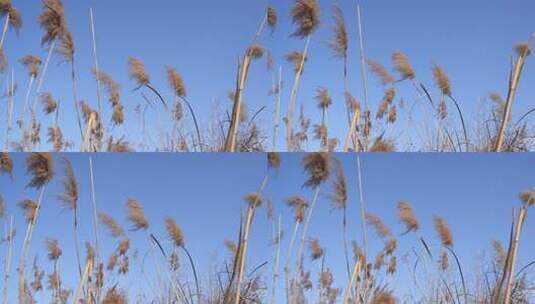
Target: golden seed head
<point x="41" y="168"/>
<point x="316" y="252"/>
<point x="49" y="104"/>
<point x="403" y="66"/>
<point x="32" y="63"/>
<point x="253" y="199"/>
<point x="54" y="251"/>
<point x="380" y="228"/>
<point x="176" y="82"/>
<point x="299" y="206"/>
<point x="442" y="80"/>
<point x="528" y="198"/>
<point x="339" y="43"/>
<point x="255" y="51"/>
<point x="271" y="17"/>
<point x="274" y="160"/>
<point x="174" y="232"/>
<point x="318" y="167"/>
<point x="6" y="164"/>
<point x="305" y="15"/>
<point x="406" y="216"/>
<point x="380" y="71"/>
<point x="113" y="227"/>
<point x="136" y="215"/>
<point x="443" y="231"/>
<point x="138" y="72"/>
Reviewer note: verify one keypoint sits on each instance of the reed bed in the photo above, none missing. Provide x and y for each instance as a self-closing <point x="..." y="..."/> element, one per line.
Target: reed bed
<point x="443" y="123"/>
<point x="155" y="253"/>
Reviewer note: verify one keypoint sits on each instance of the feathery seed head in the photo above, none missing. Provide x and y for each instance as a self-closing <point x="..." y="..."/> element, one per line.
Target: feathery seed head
<point x="407" y="216"/>
<point x="32" y="64"/>
<point x="123" y="247"/>
<point x="271" y="17"/>
<point x="52" y="21"/>
<point x="7" y="9"/>
<point x="54" y="251"/>
<point x="174" y="232"/>
<point x="339" y="43"/>
<point x="274" y="160"/>
<point x="41" y="168"/>
<point x="255" y="51"/>
<point x="380" y="71"/>
<point x="69" y="196"/>
<point x="111" y="86"/>
<point x="318" y="167"/>
<point x="403" y="66"/>
<point x="443" y="231"/>
<point x="296" y="58"/>
<point x="138" y="72"/>
<point x="528" y="198"/>
<point x="380" y="228"/>
<point x="322" y="98"/>
<point x="316" y="251"/>
<point x="391" y="246"/>
<point x="113" y="227"/>
<point x="6" y="164"/>
<point x="383" y="145"/>
<point x="442" y="80"/>
<point x="254" y="199"/>
<point x="305" y="15"/>
<point x="49" y="104"/>
<point x="176" y="82"/>
<point x="117" y="116"/>
<point x="136" y="215"/>
<point x="523" y="49"/>
<point x="114" y="296"/>
<point x="30" y="208"/>
<point x="339" y="184"/>
<point x="299" y="205"/>
<point x="444" y="263"/>
<point x="55" y="136"/>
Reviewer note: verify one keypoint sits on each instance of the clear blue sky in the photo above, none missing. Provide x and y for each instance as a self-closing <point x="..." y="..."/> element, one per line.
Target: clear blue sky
<point x="474" y="193"/>
<point x="203" y="39"/>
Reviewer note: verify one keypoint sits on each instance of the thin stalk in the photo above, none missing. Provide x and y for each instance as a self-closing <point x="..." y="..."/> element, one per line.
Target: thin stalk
<point x="352" y="127"/>
<point x="362" y="206"/>
<point x="306" y="224"/>
<point x="75" y="99"/>
<point x="199" y="138"/>
<point x="465" y="133"/>
<point x="27" y="99"/>
<point x="513" y="85"/>
<point x="276" y="114"/>
<point x="513" y="256"/>
<point x="42" y="76"/>
<point x="25" y="246"/>
<point x="95" y="217"/>
<point x="288" y="259"/>
<point x="194" y="273"/>
<point x="83" y="281"/>
<point x="4" y="31"/>
<point x="9" y="110"/>
<point x="245" y="241"/>
<point x="344" y="232"/>
<point x="349" y="288"/>
<point x="276" y="262"/>
<point x="293" y="97"/>
<point x="95" y="59"/>
<point x="9" y="255"/>
<point x="362" y="62"/>
<point x="76" y="241"/>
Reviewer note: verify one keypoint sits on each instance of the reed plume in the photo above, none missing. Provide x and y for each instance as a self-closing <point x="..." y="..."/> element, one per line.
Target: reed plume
<point x="54" y="251"/>
<point x="380" y="228"/>
<point x="271" y="17"/>
<point x="138" y="72"/>
<point x="299" y="205"/>
<point x="274" y="160"/>
<point x="6" y="164"/>
<point x="52" y="21"/>
<point x="403" y="66"/>
<point x="32" y="64"/>
<point x="253" y="199"/>
<point x="305" y="15"/>
<point x="443" y="231"/>
<point x="318" y="167"/>
<point x="41" y="168"/>
<point x="13" y="18"/>
<point x="110" y="85"/>
<point x="176" y="82"/>
<point x="528" y="198"/>
<point x="136" y="215"/>
<point x="29" y="207"/>
<point x="296" y="58"/>
<point x="114" y="228"/>
<point x="407" y="217"/>
<point x="442" y="80"/>
<point x="115" y="296"/>
<point x="378" y="69"/>
<point x="339" y="43"/>
<point x="55" y="136"/>
<point x="174" y="232"/>
<point x="316" y="251"/>
<point x="49" y="103"/>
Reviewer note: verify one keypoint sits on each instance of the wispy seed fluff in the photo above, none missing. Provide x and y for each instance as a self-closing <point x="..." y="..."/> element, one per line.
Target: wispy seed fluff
<point x="339" y="43"/>
<point x="380" y="228"/>
<point x="305" y="15"/>
<point x="528" y="198"/>
<point x="271" y="17"/>
<point x="69" y="196"/>
<point x="6" y="164"/>
<point x="41" y="168"/>
<point x="295" y="58"/>
<point x="138" y="72"/>
<point x="523" y="49"/>
<point x="49" y="104"/>
<point x="274" y="160"/>
<point x="339" y="184"/>
<point x="381" y="72"/>
<point x="54" y="251"/>
<point x="322" y="98"/>
<point x="442" y="80"/>
<point x="255" y="51"/>
<point x="407" y="217"/>
<point x="318" y="167"/>
<point x="7" y="9"/>
<point x="32" y="64"/>
<point x="52" y="21"/>
<point x="443" y="231"/>
<point x="403" y="66"/>
<point x="136" y="215"/>
<point x="113" y="227"/>
<point x="29" y="207"/>
<point x="253" y="199"/>
<point x="299" y="206"/>
<point x="316" y="251"/>
<point x="174" y="232"/>
<point x="176" y="82"/>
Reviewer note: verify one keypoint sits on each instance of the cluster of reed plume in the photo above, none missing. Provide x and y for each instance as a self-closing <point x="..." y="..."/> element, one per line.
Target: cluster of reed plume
<point x="435" y="266"/>
<point x="235" y="131"/>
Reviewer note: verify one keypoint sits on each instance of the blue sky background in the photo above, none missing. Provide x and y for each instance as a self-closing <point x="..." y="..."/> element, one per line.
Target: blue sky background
<point x="474" y="193"/>
<point x="472" y="41"/>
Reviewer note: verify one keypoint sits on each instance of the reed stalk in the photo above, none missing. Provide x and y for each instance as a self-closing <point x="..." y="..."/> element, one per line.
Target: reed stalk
<point x="513" y="255"/>
<point x="288" y="259"/>
<point x="352" y="279"/>
<point x="362" y="67"/>
<point x="276" y="114"/>
<point x="95" y="218"/>
<point x="83" y="281"/>
<point x="277" y="238"/>
<point x="9" y="254"/>
<point x="4" y="31"/>
<point x="300" y="256"/>
<point x="95" y="60"/>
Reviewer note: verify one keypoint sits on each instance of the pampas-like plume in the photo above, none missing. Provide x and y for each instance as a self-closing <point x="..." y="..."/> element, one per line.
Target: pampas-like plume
<point x="383" y="145"/>
<point x="138" y="72"/>
<point x="7" y="9"/>
<point x="66" y="46"/>
<point x="271" y="17"/>
<point x="176" y="82"/>
<point x="322" y="98"/>
<point x="174" y="232"/>
<point x="255" y="51"/>
<point x="29" y="207"/>
<point x="70" y="193"/>
<point x="443" y="231"/>
<point x="339" y="44"/>
<point x="442" y="80"/>
<point x="253" y="199"/>
<point x="49" y="104"/>
<point x="444" y="262"/>
<point x="339" y="195"/>
<point x="6" y="164"/>
<point x="54" y="251"/>
<point x="318" y="167"/>
<point x="403" y="66"/>
<point x="52" y="21"/>
<point x="274" y="160"/>
<point x="32" y="64"/>
<point x="381" y="72"/>
<point x="296" y="58"/>
<point x="55" y="136"/>
<point x="392" y="114"/>
<point x="136" y="215"/>
<point x="523" y="49"/>
<point x="113" y="227"/>
<point x="114" y="296"/>
<point x="316" y="251"/>
<point x="305" y="15"/>
<point x="41" y="168"/>
<point x="407" y="217"/>
<point x="299" y="205"/>
<point x="382" y="296"/>
<point x="117" y="116"/>
<point x="380" y="228"/>
<point x="528" y="198"/>
<point x="111" y="86"/>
